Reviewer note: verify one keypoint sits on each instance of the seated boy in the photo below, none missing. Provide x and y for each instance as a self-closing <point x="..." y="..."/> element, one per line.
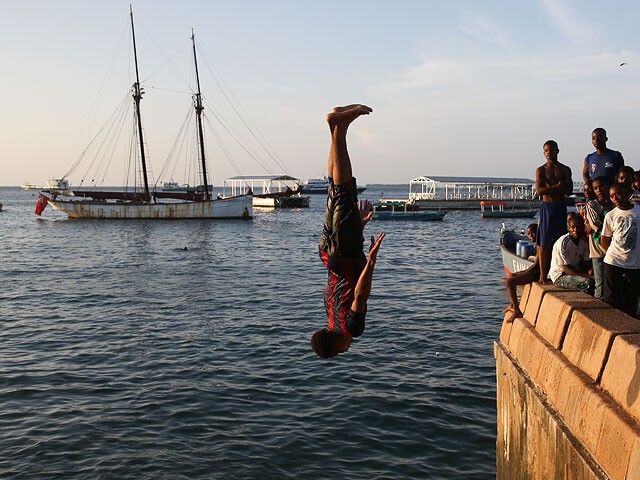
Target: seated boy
<point x="532" y="233"/>
<point x="570" y="263"/>
<point x="523" y="277"/>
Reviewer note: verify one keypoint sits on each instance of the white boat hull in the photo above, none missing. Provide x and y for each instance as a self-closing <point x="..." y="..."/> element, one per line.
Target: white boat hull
<point x="231" y="207"/>
<point x="264" y="202"/>
<point x="294" y="201"/>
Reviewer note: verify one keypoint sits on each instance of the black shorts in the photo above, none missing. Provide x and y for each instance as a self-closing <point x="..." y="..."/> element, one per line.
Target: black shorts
<point x="342" y="232"/>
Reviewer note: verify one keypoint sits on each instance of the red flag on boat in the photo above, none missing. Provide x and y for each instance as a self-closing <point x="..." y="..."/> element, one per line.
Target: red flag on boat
<point x="43" y="201"/>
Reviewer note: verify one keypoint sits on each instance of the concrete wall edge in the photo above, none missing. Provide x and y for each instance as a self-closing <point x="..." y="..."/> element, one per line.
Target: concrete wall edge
<point x="501" y="349"/>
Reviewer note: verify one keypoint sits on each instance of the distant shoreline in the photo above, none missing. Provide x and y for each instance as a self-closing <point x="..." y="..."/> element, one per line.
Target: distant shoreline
<point x="368" y="185"/>
<point x="386" y="185"/>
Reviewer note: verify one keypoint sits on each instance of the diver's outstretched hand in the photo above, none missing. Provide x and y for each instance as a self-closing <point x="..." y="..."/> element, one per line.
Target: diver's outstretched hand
<point x="375" y="246"/>
<point x="366" y="211"/>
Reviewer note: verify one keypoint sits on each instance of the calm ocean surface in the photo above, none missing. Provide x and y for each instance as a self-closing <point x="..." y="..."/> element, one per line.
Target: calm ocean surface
<point x="125" y="356"/>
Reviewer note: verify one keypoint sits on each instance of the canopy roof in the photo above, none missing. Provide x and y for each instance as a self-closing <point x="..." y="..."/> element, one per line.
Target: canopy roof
<point x="471" y="180"/>
<point x="273" y="178"/>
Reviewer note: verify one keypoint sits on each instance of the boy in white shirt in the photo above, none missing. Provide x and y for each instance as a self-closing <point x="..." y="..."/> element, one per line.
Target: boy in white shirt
<point x="570" y="263"/>
<point x="621" y="240"/>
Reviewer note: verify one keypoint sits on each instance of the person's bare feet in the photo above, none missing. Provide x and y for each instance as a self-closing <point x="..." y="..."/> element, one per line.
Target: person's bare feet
<point x="343" y="116"/>
<point x="516" y="313"/>
<point x="349" y="107"/>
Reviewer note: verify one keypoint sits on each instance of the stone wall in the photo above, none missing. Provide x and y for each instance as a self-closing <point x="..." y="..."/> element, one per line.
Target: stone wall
<point x="568" y="390"/>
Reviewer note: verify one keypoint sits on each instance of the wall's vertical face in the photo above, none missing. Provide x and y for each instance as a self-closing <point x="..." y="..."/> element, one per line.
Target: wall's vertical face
<point x="532" y="442"/>
<point x="568" y="390"/>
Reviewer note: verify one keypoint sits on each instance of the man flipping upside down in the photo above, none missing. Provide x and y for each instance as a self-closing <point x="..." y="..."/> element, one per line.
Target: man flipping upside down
<point x="341" y="245"/>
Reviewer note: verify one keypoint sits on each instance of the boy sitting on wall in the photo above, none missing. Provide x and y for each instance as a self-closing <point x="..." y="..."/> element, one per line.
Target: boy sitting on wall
<point x="570" y="263"/>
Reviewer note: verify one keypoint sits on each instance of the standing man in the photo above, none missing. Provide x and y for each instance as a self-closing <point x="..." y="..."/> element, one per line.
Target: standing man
<point x="603" y="162"/>
<point x="341" y="245"/>
<point x="553" y="184"/>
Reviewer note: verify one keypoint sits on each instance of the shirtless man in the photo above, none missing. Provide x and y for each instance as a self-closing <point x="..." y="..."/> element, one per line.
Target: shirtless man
<point x="553" y="184"/>
<point x="350" y="274"/>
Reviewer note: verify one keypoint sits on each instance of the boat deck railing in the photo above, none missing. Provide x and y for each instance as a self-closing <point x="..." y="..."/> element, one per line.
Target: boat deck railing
<point x="471" y="188"/>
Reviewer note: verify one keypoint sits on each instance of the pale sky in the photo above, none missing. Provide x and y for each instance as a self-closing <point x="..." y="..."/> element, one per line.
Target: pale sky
<point x="467" y="88"/>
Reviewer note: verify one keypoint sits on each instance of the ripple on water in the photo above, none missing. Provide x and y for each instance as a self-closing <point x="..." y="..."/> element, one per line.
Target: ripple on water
<point x="126" y="356"/>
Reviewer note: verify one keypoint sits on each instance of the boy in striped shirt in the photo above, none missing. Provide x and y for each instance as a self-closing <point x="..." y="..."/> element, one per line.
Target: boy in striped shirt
<point x="350" y="273"/>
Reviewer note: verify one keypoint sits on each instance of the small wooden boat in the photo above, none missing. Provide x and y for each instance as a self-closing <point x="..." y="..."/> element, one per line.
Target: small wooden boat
<point x="422" y="216"/>
<point x="508" y="246"/>
<point x="385" y="209"/>
<point x="276" y="191"/>
<point x="497" y="210"/>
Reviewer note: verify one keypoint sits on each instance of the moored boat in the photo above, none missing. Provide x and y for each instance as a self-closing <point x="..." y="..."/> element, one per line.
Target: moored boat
<point x="511" y="261"/>
<point x="172" y="186"/>
<point x="55" y="184"/>
<point x="142" y="201"/>
<point x="320" y="186"/>
<point x="465" y="193"/>
<point x="496" y="210"/>
<point x="419" y="216"/>
<point x="385" y="209"/>
<point x="275" y="191"/>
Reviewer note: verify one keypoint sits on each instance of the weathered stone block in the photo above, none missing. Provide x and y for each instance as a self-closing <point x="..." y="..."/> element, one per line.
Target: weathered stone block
<point x="532" y="441"/>
<point x="617" y="440"/>
<point x="505" y="331"/>
<point x="621" y="376"/>
<point x="530" y="350"/>
<point x="543" y="438"/>
<point x="536" y="294"/>
<point x="590" y="335"/>
<point x="633" y="471"/>
<point x="573" y="391"/>
<point x="524" y="298"/>
<point x="588" y="425"/>
<point x="552" y="364"/>
<point x="556" y="310"/>
<point x="511" y="442"/>
<point x="517" y="331"/>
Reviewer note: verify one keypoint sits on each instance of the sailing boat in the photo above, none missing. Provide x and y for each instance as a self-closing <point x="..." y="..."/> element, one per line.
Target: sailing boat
<point x="143" y="203"/>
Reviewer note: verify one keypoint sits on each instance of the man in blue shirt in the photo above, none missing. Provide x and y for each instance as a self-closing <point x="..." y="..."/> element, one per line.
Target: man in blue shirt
<point x="603" y="162"/>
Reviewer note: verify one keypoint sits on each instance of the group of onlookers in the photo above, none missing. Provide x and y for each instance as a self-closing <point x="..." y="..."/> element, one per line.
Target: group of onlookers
<point x="597" y="250"/>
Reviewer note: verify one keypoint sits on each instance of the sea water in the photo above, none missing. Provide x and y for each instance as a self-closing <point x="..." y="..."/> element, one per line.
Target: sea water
<point x="180" y="349"/>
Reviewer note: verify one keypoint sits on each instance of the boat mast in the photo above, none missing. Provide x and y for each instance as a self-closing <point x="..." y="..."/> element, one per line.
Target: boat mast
<point x="199" y="108"/>
<point x="137" y="96"/>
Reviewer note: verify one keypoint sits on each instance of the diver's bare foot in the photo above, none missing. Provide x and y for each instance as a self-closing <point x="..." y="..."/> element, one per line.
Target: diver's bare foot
<point x="347" y="107"/>
<point x="343" y="116"/>
<point x="512" y="316"/>
<point x="508" y="308"/>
